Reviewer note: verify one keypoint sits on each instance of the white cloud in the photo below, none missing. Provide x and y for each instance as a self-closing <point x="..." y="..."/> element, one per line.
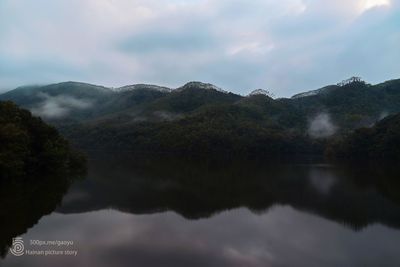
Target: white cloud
<point x="59" y="106"/>
<point x="368" y="4"/>
<point x="321" y="126"/>
<point x="251" y="47"/>
<point x="288" y="45"/>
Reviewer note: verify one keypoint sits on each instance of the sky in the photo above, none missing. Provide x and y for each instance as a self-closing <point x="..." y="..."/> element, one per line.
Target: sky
<point x="285" y="46"/>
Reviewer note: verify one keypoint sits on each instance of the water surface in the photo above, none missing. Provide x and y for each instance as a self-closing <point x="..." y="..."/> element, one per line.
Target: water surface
<point x="174" y="213"/>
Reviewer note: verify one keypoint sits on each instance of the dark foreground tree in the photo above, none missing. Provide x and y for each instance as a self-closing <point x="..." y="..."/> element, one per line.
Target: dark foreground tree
<point x="28" y="145"/>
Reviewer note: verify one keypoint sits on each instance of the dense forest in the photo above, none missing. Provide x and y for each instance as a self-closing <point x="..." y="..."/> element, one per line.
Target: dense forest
<point x="200" y="119"/>
<point x="29" y="146"/>
<point x="381" y="141"/>
<point x="218" y="131"/>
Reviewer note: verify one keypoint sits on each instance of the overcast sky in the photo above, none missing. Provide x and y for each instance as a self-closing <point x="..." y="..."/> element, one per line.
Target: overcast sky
<point x="286" y="46"/>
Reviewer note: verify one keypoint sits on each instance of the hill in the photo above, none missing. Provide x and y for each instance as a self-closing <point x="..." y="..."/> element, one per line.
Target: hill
<point x="350" y="105"/>
<point x="353" y="105"/>
<point x="202" y="118"/>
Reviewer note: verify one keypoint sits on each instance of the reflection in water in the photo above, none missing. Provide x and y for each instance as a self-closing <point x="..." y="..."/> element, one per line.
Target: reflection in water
<point x="322" y="179"/>
<point x="25" y="200"/>
<point x="282" y="237"/>
<point x="204" y="214"/>
<point x="356" y="197"/>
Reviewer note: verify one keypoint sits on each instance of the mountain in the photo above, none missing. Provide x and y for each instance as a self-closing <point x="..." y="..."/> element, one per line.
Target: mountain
<point x="261" y="92"/>
<point x="202" y="86"/>
<point x="329" y="88"/>
<point x="320" y="91"/>
<point x="192" y="96"/>
<point x="75" y="102"/>
<point x="352" y="105"/>
<point x="30" y="95"/>
<point x="144" y="86"/>
<point x="62" y="101"/>
<point x="149" y="117"/>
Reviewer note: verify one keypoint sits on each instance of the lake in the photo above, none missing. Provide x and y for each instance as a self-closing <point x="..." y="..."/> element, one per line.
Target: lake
<point x="181" y="213"/>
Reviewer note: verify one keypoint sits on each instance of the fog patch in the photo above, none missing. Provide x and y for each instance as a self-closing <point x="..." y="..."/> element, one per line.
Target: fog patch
<point x="59" y="106"/>
<point x="383" y="115"/>
<point x="321" y="126"/>
<point x="322" y="180"/>
<point x="140" y="119"/>
<point x="167" y="116"/>
<point x="377" y="119"/>
<point x="160" y="115"/>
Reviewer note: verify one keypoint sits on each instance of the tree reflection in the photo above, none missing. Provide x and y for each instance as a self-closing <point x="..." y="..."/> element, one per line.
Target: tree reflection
<point x="353" y="195"/>
<point x="25" y="200"/>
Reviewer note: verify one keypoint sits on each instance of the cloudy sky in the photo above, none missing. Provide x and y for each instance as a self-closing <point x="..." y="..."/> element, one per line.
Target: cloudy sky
<point x="286" y="46"/>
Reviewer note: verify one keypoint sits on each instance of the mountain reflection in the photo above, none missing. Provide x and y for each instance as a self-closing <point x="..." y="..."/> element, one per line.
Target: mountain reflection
<point x="352" y="195"/>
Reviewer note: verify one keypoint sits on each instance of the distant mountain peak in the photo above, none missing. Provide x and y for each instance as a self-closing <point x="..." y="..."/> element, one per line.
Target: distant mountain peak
<point x="144" y="86"/>
<point x="262" y="92"/>
<point x="329" y="88"/>
<point x="351" y="81"/>
<point x="74" y="83"/>
<point x="322" y="90"/>
<point x="306" y="94"/>
<point x="201" y="85"/>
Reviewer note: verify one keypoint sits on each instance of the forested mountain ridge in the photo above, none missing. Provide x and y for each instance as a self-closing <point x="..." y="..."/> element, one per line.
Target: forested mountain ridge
<point x="202" y="118"/>
<point x="350" y="105"/>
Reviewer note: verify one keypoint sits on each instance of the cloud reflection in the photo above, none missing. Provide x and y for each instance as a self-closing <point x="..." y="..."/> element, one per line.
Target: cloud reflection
<point x="283" y="237"/>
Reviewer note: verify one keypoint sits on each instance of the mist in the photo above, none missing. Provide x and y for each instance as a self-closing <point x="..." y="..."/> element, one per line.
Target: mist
<point x="59" y="106"/>
<point x="321" y="126"/>
<point x="167" y="116"/>
<point x="383" y="115"/>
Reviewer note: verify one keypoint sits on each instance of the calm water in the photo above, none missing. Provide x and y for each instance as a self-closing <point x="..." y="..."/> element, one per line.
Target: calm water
<point x="207" y="214"/>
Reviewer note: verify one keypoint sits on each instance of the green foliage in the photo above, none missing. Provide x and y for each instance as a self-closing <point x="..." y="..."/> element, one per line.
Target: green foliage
<point x="192" y="98"/>
<point x="221" y="131"/>
<point x="379" y="142"/>
<point x="29" y="145"/>
<point x="200" y="119"/>
<point x="352" y="105"/>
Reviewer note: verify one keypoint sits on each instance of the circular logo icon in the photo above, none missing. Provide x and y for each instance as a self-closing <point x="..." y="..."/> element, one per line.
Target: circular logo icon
<point x="17" y="248"/>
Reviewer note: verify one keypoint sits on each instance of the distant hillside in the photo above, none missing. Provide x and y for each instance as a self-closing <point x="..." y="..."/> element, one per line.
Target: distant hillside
<point x="31" y="95"/>
<point x="381" y="141"/>
<point x="350" y="105"/>
<point x="353" y="105"/>
<point x="151" y="117"/>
